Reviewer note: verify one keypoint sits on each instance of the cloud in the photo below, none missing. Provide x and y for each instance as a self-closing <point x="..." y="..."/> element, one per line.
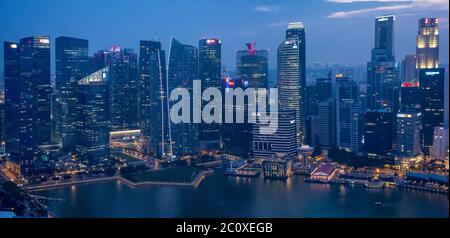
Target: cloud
<point x="266" y="8"/>
<point x="280" y="23"/>
<point x="394" y="6"/>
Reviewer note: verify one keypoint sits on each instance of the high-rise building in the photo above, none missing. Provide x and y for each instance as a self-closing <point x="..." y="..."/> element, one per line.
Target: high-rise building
<point x="210" y="75"/>
<point x="408" y="69"/>
<point x="427" y="48"/>
<point x="93" y="123"/>
<point x="98" y="60"/>
<point x="291" y="60"/>
<point x="378" y="133"/>
<point x="283" y="141"/>
<point x="153" y="96"/>
<point x="28" y="89"/>
<point x="432" y="103"/>
<point x="252" y="68"/>
<point x="439" y="149"/>
<point x="72" y="64"/>
<point x="251" y="72"/>
<point x="327" y="123"/>
<point x="122" y="64"/>
<point x="407" y="143"/>
<point x="410" y="96"/>
<point x="182" y="71"/>
<point x="383" y="82"/>
<point x="348" y="115"/>
<point x="384" y="34"/>
<point x="12" y="99"/>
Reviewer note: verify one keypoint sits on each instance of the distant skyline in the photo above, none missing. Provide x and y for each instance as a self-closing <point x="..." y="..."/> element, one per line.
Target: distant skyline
<point x="337" y="31"/>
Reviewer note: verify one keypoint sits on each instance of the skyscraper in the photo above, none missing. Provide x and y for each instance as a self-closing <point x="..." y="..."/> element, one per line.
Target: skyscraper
<point x="210" y="75"/>
<point x="410" y="96"/>
<point x="251" y="72"/>
<point x="182" y="71"/>
<point x="93" y="123"/>
<point x="35" y="78"/>
<point x="408" y="68"/>
<point x="291" y="60"/>
<point x="408" y="133"/>
<point x="348" y="115"/>
<point x="427" y="48"/>
<point x="28" y="90"/>
<point x="327" y="123"/>
<point x="432" y="103"/>
<point x="439" y="150"/>
<point x="12" y="99"/>
<point x="378" y="133"/>
<point x="71" y="65"/>
<point x="383" y="82"/>
<point x="384" y="34"/>
<point x="122" y="64"/>
<point x="283" y="141"/>
<point x="153" y="96"/>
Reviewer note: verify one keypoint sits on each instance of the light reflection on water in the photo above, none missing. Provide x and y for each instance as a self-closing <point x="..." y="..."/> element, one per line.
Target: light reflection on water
<point x="221" y="196"/>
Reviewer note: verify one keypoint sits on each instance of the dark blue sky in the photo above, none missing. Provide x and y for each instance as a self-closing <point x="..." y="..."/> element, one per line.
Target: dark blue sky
<point x="338" y="31"/>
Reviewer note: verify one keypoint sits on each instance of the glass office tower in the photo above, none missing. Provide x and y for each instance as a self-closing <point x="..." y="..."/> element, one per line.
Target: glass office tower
<point x="210" y="50"/>
<point x="182" y="71"/>
<point x="291" y="60"/>
<point x="72" y="64"/>
<point x="93" y="122"/>
<point x="153" y="112"/>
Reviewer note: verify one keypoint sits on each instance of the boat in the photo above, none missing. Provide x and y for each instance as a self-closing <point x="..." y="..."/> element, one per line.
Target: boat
<point x="378" y="204"/>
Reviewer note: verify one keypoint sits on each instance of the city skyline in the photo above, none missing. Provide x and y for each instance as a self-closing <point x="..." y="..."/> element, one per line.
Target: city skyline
<point x="206" y="131"/>
<point x="262" y="22"/>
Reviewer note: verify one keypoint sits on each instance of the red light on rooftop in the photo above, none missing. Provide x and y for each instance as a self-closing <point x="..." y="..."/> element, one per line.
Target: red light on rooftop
<point x="410" y="84"/>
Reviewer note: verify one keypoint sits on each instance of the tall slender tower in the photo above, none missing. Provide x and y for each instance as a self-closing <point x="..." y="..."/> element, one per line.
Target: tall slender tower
<point x="182" y="71"/>
<point x="28" y="88"/>
<point x="210" y="50"/>
<point x="427" y="49"/>
<point x="153" y="109"/>
<point x="383" y="82"/>
<point x="291" y="60"/>
<point x="122" y="65"/>
<point x="72" y="64"/>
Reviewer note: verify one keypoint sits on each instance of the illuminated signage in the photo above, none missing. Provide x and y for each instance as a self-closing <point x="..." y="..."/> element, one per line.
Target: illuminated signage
<point x="14" y="46"/>
<point x="432" y="73"/>
<point x="211" y="41"/>
<point x="44" y="41"/>
<point x="410" y="84"/>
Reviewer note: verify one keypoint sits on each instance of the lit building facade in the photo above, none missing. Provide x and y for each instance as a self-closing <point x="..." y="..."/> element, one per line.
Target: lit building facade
<point x="183" y="70"/>
<point x="383" y="81"/>
<point x="251" y="72"/>
<point x="282" y="141"/>
<point x="210" y="51"/>
<point x="72" y="64"/>
<point x="439" y="149"/>
<point x="291" y="60"/>
<point x="432" y="103"/>
<point x="28" y="99"/>
<point x="348" y="115"/>
<point x="93" y="123"/>
<point x="427" y="44"/>
<point x="407" y="143"/>
<point x="123" y="80"/>
<point x="153" y="96"/>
